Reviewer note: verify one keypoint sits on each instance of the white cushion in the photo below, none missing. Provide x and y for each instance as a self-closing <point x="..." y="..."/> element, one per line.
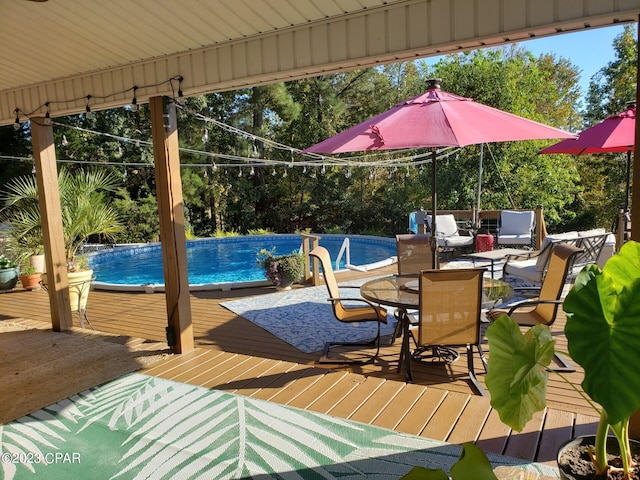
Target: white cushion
<point x="515" y="239"/>
<point x="607" y="251"/>
<point x="446" y="225"/>
<point x="542" y="259"/>
<point x="516" y="223"/>
<point x="456" y="241"/>
<point x="588" y="233"/>
<point x="523" y="269"/>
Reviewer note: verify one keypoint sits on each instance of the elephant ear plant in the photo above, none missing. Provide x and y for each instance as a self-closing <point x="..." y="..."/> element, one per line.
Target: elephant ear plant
<point x="603" y="334"/>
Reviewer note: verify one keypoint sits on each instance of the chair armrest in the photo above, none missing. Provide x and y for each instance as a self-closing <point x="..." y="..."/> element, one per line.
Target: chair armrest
<point x="531" y="303"/>
<point x="375" y="306"/>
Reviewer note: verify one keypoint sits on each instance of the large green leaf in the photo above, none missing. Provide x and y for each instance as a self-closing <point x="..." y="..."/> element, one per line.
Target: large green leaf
<point x="603" y="331"/>
<point x="473" y="464"/>
<point x="517" y="375"/>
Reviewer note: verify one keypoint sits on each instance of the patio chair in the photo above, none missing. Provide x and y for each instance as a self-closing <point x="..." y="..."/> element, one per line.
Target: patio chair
<point x="544" y="308"/>
<point x="448" y="237"/>
<point x="414" y="253"/>
<point x="348" y="313"/>
<point x="516" y="228"/>
<point x="450" y="309"/>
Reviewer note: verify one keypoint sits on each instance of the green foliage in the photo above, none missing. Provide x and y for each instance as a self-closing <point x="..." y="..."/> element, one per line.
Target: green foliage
<point x="603" y="334"/>
<point x="140" y="218"/>
<point x="472" y="464"/>
<point x="281" y="270"/>
<point x="517" y="378"/>
<point x="6" y="262"/>
<point x="84" y="208"/>
<point x="260" y="231"/>
<point x="225" y="233"/>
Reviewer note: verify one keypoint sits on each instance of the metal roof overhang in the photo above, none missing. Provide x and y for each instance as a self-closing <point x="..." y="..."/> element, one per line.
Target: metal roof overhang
<point x="62" y="51"/>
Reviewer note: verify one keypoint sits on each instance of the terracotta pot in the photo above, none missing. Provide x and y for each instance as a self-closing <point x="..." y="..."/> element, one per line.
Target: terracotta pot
<point x="580" y="467"/>
<point x="8" y="278"/>
<point x="31" y="282"/>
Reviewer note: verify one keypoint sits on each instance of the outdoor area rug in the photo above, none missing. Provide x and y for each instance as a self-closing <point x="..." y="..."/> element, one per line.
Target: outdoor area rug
<point x="139" y="426"/>
<point x="303" y="317"/>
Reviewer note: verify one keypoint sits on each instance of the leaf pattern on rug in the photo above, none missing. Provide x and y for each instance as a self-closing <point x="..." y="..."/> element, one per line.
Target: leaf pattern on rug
<point x="142" y="427"/>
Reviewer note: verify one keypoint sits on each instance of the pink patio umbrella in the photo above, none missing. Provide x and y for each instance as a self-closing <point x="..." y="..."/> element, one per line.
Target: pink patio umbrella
<point x="614" y="134"/>
<point x="436" y="119"/>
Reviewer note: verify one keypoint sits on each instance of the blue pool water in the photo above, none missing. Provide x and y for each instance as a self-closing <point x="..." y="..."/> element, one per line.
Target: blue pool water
<point x="225" y="259"/>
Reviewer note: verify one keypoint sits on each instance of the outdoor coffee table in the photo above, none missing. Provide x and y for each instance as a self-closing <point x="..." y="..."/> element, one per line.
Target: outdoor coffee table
<point x="497" y="255"/>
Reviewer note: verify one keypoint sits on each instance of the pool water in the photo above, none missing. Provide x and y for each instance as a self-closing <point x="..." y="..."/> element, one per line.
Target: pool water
<point x="226" y="259"/>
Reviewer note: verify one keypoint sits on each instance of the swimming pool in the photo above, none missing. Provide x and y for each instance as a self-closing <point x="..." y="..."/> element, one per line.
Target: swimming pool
<point x="225" y="262"/>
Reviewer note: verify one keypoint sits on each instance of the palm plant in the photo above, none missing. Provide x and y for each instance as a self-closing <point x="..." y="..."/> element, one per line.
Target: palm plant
<point x="84" y="208"/>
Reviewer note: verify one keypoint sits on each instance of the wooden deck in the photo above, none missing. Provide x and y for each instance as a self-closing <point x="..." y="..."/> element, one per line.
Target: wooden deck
<point x="235" y="355"/>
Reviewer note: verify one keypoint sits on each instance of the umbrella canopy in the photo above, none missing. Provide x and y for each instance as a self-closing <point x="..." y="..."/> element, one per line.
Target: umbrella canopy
<point x="614" y="134"/>
<point x="436" y="119"/>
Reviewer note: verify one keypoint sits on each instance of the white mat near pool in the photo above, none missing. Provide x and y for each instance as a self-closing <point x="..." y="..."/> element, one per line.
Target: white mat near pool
<point x="303" y="318"/>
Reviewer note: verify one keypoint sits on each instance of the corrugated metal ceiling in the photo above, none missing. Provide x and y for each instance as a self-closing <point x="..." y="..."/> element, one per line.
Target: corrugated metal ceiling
<point x="61" y="53"/>
<point x="60" y="38"/>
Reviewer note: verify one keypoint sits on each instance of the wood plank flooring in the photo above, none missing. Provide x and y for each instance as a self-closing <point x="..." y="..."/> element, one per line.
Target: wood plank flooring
<point x="235" y="355"/>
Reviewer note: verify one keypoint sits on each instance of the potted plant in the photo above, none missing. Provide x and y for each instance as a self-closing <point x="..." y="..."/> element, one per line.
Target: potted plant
<point x="282" y="270"/>
<point x="30" y="278"/>
<point x="8" y="273"/>
<point x="603" y="334"/>
<point x="85" y="212"/>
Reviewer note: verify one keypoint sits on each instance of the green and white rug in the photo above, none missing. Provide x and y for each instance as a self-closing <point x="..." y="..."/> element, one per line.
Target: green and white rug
<point x="142" y="427"/>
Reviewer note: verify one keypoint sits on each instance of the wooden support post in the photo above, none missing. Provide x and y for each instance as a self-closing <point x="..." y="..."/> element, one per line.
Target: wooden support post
<point x="44" y="155"/>
<point x="170" y="208"/>
<point x="310" y="277"/>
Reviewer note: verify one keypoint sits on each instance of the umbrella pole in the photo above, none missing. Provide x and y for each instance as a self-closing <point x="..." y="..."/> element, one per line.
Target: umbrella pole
<point x="476" y="220"/>
<point x="434" y="199"/>
<point x="626" y="198"/>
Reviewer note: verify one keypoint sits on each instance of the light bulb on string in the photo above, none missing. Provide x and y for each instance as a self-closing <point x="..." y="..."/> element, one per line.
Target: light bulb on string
<point x="205" y="136"/>
<point x="324" y="170"/>
<point x="214" y="166"/>
<point x="239" y="172"/>
<point x="252" y="172"/>
<point x="407" y="174"/>
<point x="284" y="174"/>
<point x="89" y="114"/>
<point x="47" y="116"/>
<point x="313" y="173"/>
<point x="273" y="172"/>
<point x="304" y="169"/>
<point x="16" y="123"/>
<point x="33" y="169"/>
<point x="65" y="142"/>
<point x="134" y="101"/>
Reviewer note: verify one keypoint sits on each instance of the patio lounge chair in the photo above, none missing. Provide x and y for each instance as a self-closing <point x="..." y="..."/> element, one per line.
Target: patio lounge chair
<point x="544" y="308"/>
<point x="516" y="228"/>
<point x="450" y="309"/>
<point x="348" y="313"/>
<point x="532" y="267"/>
<point x="447" y="235"/>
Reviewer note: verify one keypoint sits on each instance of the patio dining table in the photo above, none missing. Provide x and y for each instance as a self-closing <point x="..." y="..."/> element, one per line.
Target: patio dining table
<point x="401" y="292"/>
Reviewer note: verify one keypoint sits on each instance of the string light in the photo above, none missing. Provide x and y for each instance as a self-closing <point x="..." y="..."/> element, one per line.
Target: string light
<point x="47" y="116"/>
<point x="252" y="172"/>
<point x="65" y="142"/>
<point x="89" y="114"/>
<point x="134" y="101"/>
